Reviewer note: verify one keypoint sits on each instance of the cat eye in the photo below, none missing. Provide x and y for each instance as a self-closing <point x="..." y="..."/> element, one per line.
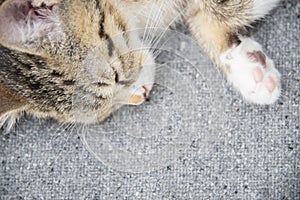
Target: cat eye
<point x="126" y="83"/>
<point x="102" y="84"/>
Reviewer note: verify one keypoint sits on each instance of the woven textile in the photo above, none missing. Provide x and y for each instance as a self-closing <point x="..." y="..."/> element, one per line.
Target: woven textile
<point x="195" y="139"/>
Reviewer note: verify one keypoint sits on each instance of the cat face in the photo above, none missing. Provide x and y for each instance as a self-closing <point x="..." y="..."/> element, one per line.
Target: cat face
<point x="74" y="60"/>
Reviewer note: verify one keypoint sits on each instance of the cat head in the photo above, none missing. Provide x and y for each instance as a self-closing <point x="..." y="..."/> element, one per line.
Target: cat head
<point x="73" y="60"/>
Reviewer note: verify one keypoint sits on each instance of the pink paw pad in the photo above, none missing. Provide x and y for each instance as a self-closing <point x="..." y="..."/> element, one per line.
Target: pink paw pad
<point x="270" y="84"/>
<point x="258" y="75"/>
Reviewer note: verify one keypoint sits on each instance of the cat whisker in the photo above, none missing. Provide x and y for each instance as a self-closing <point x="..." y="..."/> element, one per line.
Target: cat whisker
<point x="156" y="50"/>
<point x="156" y="22"/>
<point x="147" y="23"/>
<point x="155" y="42"/>
<point x="57" y="134"/>
<point x="66" y="137"/>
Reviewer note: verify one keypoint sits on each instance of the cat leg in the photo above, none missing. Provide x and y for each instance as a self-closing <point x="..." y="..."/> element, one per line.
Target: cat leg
<point x="242" y="59"/>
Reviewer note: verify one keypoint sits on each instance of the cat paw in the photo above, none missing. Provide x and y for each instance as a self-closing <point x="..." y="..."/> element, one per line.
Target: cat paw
<point x="252" y="72"/>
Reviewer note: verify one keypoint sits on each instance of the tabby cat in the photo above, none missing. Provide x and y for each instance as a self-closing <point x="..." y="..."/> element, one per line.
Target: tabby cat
<point x="79" y="60"/>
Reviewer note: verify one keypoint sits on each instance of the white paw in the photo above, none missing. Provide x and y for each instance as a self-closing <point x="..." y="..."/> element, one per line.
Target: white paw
<point x="252" y="72"/>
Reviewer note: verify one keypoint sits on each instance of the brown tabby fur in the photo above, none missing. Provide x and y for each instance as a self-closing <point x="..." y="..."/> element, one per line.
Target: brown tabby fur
<point x="46" y="76"/>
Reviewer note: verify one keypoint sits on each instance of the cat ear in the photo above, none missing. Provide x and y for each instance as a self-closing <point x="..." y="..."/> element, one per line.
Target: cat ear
<point x="25" y="23"/>
<point x="10" y="101"/>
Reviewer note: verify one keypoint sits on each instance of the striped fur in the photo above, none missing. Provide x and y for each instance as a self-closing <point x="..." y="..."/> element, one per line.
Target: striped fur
<point x="78" y="61"/>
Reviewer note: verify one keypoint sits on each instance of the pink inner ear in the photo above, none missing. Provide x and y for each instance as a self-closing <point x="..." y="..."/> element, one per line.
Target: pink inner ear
<point x="23" y="12"/>
<point x="28" y="12"/>
<point x="20" y="11"/>
<point x="20" y="22"/>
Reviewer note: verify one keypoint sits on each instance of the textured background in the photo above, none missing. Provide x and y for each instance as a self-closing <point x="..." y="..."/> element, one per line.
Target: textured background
<point x="195" y="139"/>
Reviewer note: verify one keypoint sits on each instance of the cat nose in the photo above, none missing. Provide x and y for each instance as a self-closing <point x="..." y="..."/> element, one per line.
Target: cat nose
<point x="139" y="96"/>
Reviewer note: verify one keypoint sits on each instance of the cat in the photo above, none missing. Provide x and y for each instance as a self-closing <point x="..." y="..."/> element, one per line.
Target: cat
<point x="78" y="61"/>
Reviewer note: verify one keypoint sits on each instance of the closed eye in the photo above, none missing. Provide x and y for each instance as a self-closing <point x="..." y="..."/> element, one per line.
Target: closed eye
<point x="101" y="84"/>
<point x="126" y="82"/>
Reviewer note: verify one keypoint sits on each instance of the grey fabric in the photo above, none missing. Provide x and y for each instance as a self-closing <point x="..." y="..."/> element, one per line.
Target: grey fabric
<point x="195" y="139"/>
